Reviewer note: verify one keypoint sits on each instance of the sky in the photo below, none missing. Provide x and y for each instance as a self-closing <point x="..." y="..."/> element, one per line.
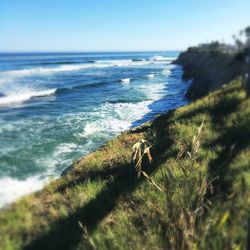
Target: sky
<point x="118" y="25"/>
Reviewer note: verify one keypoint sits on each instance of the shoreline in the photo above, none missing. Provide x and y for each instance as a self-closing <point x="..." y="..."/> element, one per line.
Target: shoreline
<point x="70" y="169"/>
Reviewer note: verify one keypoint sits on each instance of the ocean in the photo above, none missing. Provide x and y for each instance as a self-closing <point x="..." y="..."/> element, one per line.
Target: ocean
<point x="57" y="107"/>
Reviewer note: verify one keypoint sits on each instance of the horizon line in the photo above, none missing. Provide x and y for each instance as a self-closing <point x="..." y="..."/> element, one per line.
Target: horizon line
<point x="87" y="51"/>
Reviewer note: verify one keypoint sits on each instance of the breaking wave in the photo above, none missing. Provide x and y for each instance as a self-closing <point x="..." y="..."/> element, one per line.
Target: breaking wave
<point x="17" y="98"/>
<point x="73" y="66"/>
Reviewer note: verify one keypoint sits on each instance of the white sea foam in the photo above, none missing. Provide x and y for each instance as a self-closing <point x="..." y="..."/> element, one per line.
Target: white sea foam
<point x="129" y="112"/>
<point x="11" y="189"/>
<point x="115" y="62"/>
<point x="153" y="91"/>
<point x="159" y="58"/>
<point x="104" y="126"/>
<point x="51" y="70"/>
<point x="4" y="127"/>
<point x="166" y="72"/>
<point x="70" y="67"/>
<point x="117" y="117"/>
<point x="162" y="58"/>
<point x="24" y="96"/>
<point x="65" y="148"/>
<point x="125" y="80"/>
<point x="122" y="63"/>
<point x="150" y="76"/>
<point x="59" y="158"/>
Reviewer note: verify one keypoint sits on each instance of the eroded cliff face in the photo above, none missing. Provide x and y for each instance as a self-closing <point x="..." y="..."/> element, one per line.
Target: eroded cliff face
<point x="209" y="70"/>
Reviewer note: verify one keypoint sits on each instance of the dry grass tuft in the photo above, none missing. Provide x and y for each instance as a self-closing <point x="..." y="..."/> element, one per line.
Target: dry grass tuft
<point x="140" y="150"/>
<point x="86" y="236"/>
<point x="143" y="149"/>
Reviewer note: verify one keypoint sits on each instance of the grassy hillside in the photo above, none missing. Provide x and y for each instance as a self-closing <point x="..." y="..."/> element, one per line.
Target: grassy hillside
<point x="194" y="195"/>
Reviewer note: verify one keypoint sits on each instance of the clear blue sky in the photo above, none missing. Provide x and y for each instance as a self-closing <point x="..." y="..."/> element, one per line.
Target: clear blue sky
<point x="111" y="25"/>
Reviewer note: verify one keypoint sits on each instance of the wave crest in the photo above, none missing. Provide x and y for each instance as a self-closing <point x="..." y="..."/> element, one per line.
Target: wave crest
<point x="65" y="67"/>
<point x="125" y="80"/>
<point x="17" y="98"/>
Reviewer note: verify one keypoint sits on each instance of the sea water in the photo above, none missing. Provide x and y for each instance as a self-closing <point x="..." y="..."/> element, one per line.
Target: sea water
<point x="57" y="107"/>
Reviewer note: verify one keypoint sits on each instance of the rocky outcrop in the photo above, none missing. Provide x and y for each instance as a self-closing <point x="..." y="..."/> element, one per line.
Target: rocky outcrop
<point x="209" y="70"/>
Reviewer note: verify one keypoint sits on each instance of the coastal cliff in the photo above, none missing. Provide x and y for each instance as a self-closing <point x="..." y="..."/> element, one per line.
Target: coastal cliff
<point x="208" y="69"/>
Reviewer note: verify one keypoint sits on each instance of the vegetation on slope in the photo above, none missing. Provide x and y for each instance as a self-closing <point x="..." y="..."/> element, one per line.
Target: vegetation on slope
<point x="194" y="195"/>
<point x="212" y="65"/>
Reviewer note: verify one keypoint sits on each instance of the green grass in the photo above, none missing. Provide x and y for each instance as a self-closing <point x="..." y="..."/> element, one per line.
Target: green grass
<point x="204" y="196"/>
